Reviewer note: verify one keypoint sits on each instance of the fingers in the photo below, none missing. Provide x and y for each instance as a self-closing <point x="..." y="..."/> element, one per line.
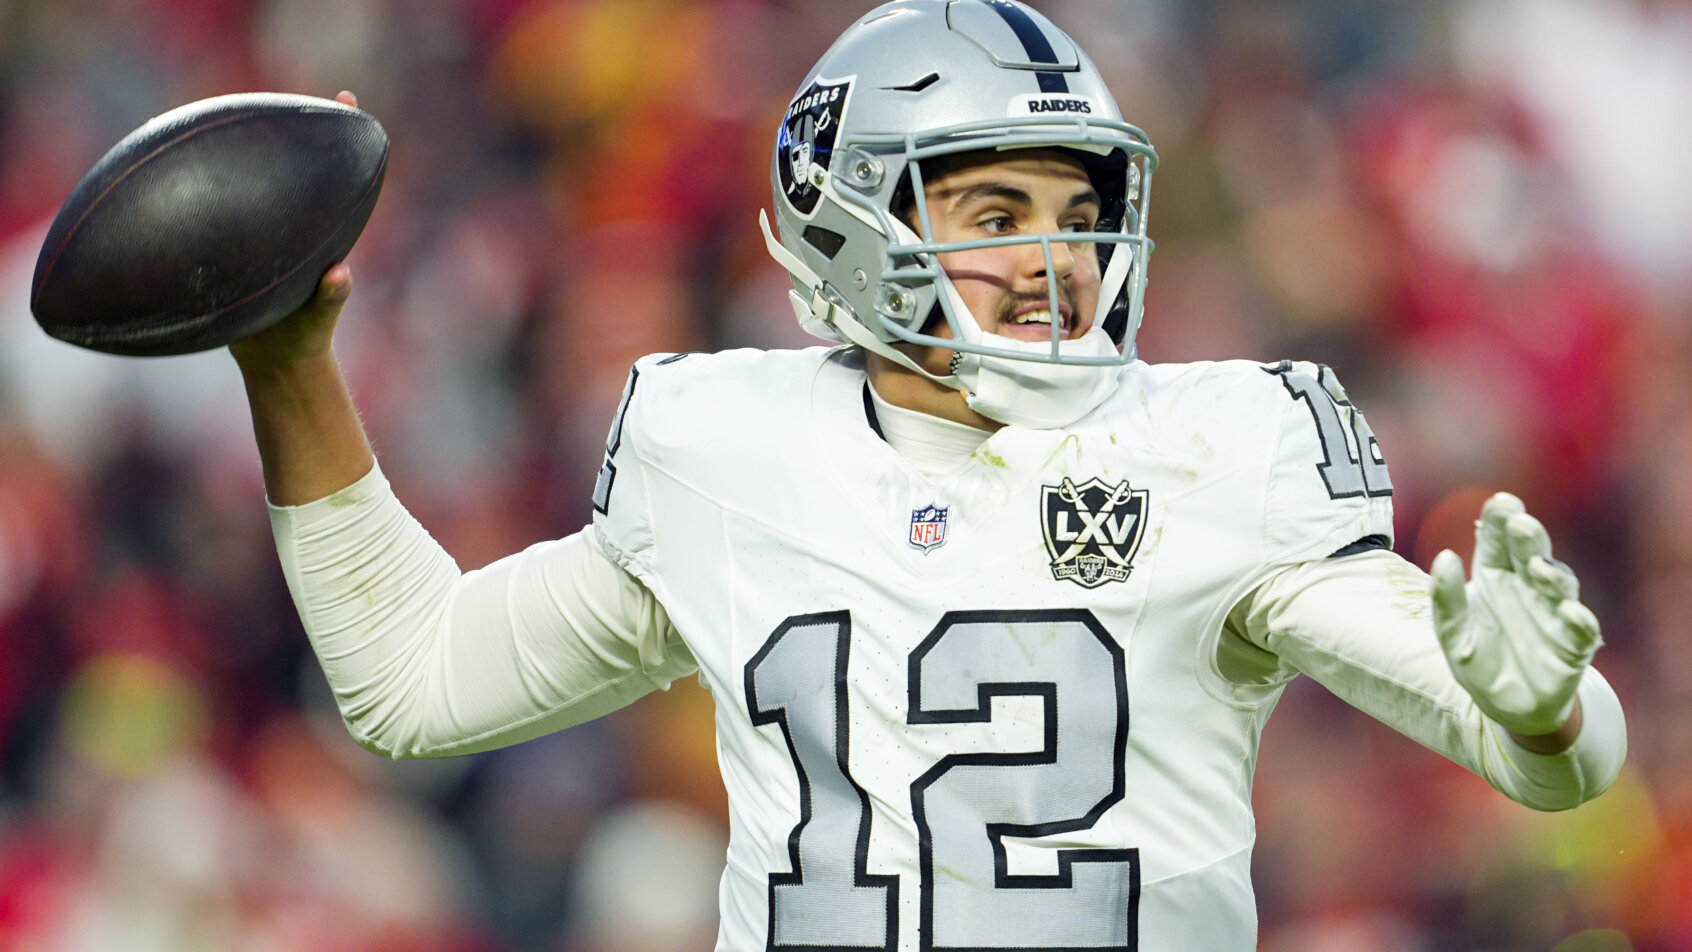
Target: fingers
<point x="333" y="290"/>
<point x="306" y="333"/>
<point x="1552" y="579"/>
<point x="1492" y="548"/>
<point x="1554" y="583"/>
<point x="337" y="281"/>
<point x="1529" y="546"/>
<point x="1451" y="606"/>
<point x="1509" y="539"/>
<point x="1525" y="537"/>
<point x="346" y="98"/>
<point x="1582" y="628"/>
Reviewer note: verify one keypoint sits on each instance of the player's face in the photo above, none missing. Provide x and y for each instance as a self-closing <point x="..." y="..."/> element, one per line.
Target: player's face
<point x="997" y="194"/>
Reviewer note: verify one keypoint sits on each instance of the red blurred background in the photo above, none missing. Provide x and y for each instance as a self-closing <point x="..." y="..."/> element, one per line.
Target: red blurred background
<point x="1471" y="209"/>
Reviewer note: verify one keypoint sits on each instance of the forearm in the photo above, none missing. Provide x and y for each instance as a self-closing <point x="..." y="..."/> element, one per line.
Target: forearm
<point x="427" y="661"/>
<point x="1360" y="626"/>
<point x="309" y="435"/>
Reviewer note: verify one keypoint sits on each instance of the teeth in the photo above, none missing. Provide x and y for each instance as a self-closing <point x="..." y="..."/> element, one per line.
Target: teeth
<point x="1033" y="317"/>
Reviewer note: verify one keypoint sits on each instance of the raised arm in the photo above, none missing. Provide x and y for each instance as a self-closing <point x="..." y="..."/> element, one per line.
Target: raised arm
<point x="309" y="435"/>
<point x="426" y="660"/>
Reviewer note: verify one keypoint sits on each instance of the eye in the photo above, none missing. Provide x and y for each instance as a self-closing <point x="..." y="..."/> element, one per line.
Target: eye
<point x="997" y="225"/>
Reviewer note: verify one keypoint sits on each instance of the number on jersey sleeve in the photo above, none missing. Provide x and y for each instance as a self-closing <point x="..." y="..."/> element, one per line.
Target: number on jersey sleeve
<point x="1352" y="463"/>
<point x="967" y="803"/>
<point x="614" y="441"/>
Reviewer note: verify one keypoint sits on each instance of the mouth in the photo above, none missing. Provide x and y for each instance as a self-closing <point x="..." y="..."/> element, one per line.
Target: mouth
<point x="1034" y="321"/>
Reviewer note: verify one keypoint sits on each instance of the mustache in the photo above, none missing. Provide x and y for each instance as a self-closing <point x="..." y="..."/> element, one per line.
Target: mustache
<point x="1016" y="301"/>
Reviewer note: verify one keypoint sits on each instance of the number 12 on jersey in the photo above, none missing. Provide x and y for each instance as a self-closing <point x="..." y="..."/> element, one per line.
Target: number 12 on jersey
<point x="966" y="804"/>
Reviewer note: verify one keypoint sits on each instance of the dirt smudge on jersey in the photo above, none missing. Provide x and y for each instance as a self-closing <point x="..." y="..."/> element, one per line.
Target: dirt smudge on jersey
<point x="1410" y="588"/>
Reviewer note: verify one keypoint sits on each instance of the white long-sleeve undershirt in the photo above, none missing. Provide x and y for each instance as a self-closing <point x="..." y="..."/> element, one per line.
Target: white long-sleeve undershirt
<point x="1361" y="626"/>
<point x="933" y="445"/>
<point x="427" y="661"/>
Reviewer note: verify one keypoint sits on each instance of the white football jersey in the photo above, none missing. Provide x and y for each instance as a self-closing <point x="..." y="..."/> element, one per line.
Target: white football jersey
<point x="980" y="711"/>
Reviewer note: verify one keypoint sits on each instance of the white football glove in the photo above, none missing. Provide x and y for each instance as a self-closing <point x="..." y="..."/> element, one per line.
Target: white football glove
<point x="1516" y="635"/>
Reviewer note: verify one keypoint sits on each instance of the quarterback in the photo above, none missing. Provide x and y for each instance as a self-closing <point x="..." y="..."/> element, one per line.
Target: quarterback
<point x="993" y="612"/>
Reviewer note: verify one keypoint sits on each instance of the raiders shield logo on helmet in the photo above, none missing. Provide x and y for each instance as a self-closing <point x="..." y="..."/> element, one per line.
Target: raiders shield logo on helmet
<point x="1092" y="529"/>
<point x="808" y="131"/>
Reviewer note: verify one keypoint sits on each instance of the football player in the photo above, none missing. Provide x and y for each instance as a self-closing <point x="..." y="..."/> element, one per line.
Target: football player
<point x="992" y="611"/>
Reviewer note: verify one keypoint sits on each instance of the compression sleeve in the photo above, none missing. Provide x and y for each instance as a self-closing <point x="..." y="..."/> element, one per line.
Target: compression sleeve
<point x="1361" y="626"/>
<point x="426" y="661"/>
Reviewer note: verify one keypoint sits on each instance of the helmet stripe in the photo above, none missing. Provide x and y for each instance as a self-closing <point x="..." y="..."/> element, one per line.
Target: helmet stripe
<point x="1034" y="43"/>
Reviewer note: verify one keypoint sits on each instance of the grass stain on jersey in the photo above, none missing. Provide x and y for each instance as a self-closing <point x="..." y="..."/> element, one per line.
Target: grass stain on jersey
<point x="1069" y="440"/>
<point x="1411" y="587"/>
<point x="991" y="458"/>
<point x="365" y="591"/>
<point x="1015" y="632"/>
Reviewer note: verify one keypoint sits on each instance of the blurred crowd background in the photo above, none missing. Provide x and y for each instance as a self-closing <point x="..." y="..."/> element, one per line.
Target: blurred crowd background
<point x="1477" y="210"/>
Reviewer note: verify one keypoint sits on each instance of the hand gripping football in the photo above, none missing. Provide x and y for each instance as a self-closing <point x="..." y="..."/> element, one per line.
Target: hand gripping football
<point x="208" y="224"/>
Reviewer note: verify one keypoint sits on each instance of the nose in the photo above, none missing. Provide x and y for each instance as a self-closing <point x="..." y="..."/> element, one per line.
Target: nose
<point x="1063" y="257"/>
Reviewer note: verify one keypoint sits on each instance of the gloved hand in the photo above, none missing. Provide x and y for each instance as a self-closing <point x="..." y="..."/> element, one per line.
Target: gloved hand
<point x="1516" y="635"/>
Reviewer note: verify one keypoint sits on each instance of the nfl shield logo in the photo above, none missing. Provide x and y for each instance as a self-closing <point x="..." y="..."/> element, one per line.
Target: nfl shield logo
<point x="928" y="527"/>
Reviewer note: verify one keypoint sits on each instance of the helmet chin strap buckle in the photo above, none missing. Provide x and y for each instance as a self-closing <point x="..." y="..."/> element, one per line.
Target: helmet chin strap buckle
<point x="815" y="316"/>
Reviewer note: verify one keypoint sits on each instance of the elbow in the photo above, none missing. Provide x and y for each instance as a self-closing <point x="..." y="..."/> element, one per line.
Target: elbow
<point x="411" y="734"/>
<point x="386" y="731"/>
<point x="400" y="750"/>
<point x="380" y="744"/>
<point x="377" y="745"/>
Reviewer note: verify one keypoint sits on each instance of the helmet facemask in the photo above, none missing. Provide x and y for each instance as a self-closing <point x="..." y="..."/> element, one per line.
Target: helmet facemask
<point x="913" y="259"/>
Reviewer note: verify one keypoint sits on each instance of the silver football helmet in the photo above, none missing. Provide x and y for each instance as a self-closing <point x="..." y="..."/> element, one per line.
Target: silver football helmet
<point x="916" y="79"/>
